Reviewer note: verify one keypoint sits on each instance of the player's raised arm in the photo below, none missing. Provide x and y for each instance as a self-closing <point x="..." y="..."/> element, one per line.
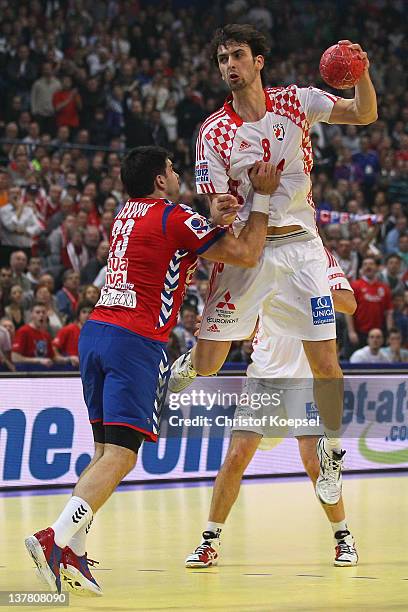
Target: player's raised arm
<point x="362" y="109"/>
<point x="246" y="250"/>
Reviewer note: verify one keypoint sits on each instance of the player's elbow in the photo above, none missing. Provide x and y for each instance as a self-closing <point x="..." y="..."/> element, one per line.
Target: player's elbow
<point x="249" y="260"/>
<point x="367" y="119"/>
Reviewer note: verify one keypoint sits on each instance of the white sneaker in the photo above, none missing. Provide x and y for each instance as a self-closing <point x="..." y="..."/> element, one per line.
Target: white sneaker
<point x="328" y="484"/>
<point x="207" y="554"/>
<point x="345" y="547"/>
<point x="182" y="373"/>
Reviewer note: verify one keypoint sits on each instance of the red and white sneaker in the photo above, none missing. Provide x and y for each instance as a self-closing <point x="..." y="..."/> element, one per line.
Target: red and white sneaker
<point x="47" y="557"/>
<point x="207" y="554"/>
<point x="76" y="576"/>
<point x="345" y="547"/>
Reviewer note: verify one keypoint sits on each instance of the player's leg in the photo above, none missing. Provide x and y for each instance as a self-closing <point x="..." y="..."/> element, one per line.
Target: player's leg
<point x="328" y="392"/>
<point x="225" y="492"/>
<point x="345" y="550"/>
<point x="230" y="313"/>
<point x="47" y="553"/>
<point x="302" y="308"/>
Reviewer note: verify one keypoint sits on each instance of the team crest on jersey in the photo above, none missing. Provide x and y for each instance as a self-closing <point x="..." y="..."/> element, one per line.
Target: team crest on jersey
<point x="202" y="173"/>
<point x="199" y="225"/>
<point x="279" y="131"/>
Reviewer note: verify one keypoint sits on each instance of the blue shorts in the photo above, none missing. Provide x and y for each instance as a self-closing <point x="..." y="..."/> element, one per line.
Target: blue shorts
<point x="124" y="377"/>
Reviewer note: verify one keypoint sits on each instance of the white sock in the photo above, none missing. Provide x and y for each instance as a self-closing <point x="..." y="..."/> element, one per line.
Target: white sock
<point x="78" y="541"/>
<point x="76" y="514"/>
<point x="215" y="527"/>
<point x="340" y="526"/>
<point x="333" y="444"/>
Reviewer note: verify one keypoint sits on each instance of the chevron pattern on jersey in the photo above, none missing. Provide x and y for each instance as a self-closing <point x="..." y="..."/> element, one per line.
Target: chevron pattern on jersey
<point x="171" y="281"/>
<point x="164" y="369"/>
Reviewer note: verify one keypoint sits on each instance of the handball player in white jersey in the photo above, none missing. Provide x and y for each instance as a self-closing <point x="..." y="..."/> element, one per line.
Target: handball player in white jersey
<point x="290" y="282"/>
<point x="278" y="364"/>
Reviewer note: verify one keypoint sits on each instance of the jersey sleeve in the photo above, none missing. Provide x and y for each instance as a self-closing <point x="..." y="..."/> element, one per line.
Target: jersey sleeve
<point x="317" y="104"/>
<point x="60" y="339"/>
<point x="388" y="299"/>
<point x="335" y="275"/>
<point x="210" y="171"/>
<point x="191" y="231"/>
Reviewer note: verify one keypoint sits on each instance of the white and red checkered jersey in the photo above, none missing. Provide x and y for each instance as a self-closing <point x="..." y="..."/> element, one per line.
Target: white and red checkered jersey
<point x="227" y="147"/>
<point x="152" y="256"/>
<point x="282" y="357"/>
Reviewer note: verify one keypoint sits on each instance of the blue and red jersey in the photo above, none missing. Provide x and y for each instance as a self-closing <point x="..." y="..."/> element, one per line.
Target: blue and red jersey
<point x="153" y="254"/>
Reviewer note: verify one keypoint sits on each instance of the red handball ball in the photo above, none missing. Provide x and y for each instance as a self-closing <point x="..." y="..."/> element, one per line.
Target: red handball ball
<point x="341" y="67"/>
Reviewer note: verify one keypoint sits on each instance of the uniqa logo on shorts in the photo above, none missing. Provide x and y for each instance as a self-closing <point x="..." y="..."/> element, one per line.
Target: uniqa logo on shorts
<point x="322" y="310"/>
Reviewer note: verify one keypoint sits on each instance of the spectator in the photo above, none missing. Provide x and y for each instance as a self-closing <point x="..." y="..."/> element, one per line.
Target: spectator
<point x="19" y="225"/>
<point x="75" y="255"/>
<point x="42" y="93"/>
<point x="242" y="353"/>
<point x="66" y="341"/>
<point x="401" y="316"/>
<point x="67" y="297"/>
<point x="32" y="344"/>
<point x="15" y="311"/>
<point x="137" y="130"/>
<point x="393" y="237"/>
<point x="347" y="257"/>
<point x="18" y="266"/>
<point x="67" y="104"/>
<point x="403" y="250"/>
<point x="185" y="329"/>
<point x="391" y="274"/>
<point x="371" y="353"/>
<point x="42" y="295"/>
<point x="34" y="271"/>
<point x="374" y="304"/>
<point x="4" y="187"/>
<point x="94" y="265"/>
<point x="5" y="349"/>
<point x="393" y="351"/>
<point x="90" y="293"/>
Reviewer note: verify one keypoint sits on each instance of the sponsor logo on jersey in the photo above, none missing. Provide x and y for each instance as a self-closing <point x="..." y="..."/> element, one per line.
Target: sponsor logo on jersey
<point x="279" y="131"/>
<point x="244" y="146"/>
<point x="213" y="328"/>
<point x="221" y="321"/>
<point x="202" y="173"/>
<point x="199" y="225"/>
<point x="322" y="310"/>
<point x="226" y="303"/>
<point x="112" y="297"/>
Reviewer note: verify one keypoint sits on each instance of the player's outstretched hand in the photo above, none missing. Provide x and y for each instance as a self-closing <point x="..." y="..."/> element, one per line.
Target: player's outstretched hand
<point x="265" y="177"/>
<point x="224" y="208"/>
<point x="356" y="47"/>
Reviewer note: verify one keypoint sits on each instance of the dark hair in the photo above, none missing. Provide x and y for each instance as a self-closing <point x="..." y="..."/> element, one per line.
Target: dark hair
<point x="239" y="33"/>
<point x="392" y="256"/>
<point x="38" y="305"/>
<point x="139" y="170"/>
<point x="82" y="305"/>
<point x="394" y="330"/>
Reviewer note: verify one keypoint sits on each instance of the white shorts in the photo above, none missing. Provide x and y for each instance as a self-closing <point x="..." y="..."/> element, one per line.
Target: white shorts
<point x="275" y="412"/>
<point x="289" y="285"/>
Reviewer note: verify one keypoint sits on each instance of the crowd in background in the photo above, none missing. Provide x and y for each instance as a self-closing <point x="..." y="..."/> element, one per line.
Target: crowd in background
<point x="84" y="80"/>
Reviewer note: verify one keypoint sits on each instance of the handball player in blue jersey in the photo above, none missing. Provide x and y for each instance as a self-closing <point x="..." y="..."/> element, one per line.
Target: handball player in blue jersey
<point x="124" y="367"/>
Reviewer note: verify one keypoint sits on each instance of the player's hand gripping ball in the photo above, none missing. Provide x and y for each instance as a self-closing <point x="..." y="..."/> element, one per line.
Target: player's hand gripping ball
<point x="342" y="65"/>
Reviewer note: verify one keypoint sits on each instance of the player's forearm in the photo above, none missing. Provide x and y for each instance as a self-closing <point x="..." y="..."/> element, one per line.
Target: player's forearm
<point x="350" y="324"/>
<point x="251" y="240"/>
<point x="18" y="358"/>
<point x="365" y="100"/>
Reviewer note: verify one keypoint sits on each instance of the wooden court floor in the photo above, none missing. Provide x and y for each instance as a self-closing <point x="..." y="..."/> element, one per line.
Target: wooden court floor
<point x="277" y="549"/>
